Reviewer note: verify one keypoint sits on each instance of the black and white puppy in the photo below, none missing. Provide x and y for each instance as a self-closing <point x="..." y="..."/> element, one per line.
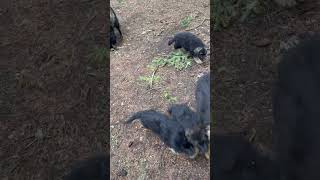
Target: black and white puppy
<point x="203" y="104"/>
<point x="194" y="131"/>
<point x="94" y="168"/>
<point x="115" y="32"/>
<point x="296" y="107"/>
<point x="170" y="131"/>
<point x="191" y="43"/>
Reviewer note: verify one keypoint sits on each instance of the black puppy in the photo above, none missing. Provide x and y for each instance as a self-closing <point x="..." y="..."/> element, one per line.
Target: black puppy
<point x="195" y="132"/>
<point x="296" y="106"/>
<point x="203" y="103"/>
<point x="203" y="98"/>
<point x="94" y="168"/>
<point x="190" y="42"/>
<point x="115" y="32"/>
<point x="168" y="129"/>
<point x="234" y="158"/>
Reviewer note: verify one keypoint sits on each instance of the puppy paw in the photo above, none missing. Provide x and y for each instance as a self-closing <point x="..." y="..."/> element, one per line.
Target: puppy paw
<point x="198" y="60"/>
<point x="207" y="155"/>
<point x="173" y="151"/>
<point x="195" y="154"/>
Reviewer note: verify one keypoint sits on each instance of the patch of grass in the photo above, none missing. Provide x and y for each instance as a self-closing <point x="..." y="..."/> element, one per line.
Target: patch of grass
<point x="169" y="97"/>
<point x="157" y="63"/>
<point x="179" y="60"/>
<point x="150" y="80"/>
<point x="176" y="59"/>
<point x="98" y="57"/>
<point x="186" y="21"/>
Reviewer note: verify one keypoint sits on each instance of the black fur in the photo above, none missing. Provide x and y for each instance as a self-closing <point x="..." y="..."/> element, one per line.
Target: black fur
<point x="234" y="158"/>
<point x="203" y="98"/>
<point x="195" y="132"/>
<point x="296" y="105"/>
<point x="190" y="43"/>
<point x="115" y="32"/>
<point x="183" y="114"/>
<point x="94" y="168"/>
<point x="168" y="129"/>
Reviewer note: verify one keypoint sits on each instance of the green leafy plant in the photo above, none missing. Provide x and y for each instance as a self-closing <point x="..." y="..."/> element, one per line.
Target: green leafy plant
<point x="179" y="60"/>
<point x="157" y="62"/>
<point x="168" y="97"/>
<point x="186" y="21"/>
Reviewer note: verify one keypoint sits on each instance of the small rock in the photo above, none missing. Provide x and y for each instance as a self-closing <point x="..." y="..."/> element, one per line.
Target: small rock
<point x="122" y="173"/>
<point x="130" y="144"/>
<point x="262" y="42"/>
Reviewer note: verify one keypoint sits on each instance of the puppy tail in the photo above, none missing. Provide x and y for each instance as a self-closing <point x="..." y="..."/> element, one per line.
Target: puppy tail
<point x="150" y="119"/>
<point x="134" y="117"/>
<point x="171" y="40"/>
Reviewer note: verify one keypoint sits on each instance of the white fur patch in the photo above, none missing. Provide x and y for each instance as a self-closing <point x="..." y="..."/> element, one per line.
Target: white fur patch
<point x="197" y="60"/>
<point x="173" y="151"/>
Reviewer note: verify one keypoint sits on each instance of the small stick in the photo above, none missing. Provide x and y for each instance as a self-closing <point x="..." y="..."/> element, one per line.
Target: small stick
<point x="198" y="25"/>
<point x="152" y="77"/>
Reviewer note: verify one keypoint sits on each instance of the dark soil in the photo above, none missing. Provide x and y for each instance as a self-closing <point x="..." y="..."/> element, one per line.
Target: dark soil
<point x="53" y="98"/>
<point x="245" y="61"/>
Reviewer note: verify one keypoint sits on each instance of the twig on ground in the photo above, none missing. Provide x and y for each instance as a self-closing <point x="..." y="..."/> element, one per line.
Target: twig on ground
<point x="198" y="25"/>
<point x="152" y="77"/>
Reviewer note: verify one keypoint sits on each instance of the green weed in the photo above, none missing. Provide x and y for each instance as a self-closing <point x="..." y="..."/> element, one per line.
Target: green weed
<point x="176" y="59"/>
<point x="168" y="97"/>
<point x="150" y="80"/>
<point x="179" y="60"/>
<point x="186" y="21"/>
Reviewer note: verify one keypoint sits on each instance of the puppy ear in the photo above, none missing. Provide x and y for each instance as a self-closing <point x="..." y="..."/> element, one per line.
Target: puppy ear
<point x="203" y="51"/>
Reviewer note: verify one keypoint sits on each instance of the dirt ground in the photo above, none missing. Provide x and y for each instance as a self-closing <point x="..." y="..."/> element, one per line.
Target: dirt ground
<point x="53" y="98"/>
<point x="245" y="60"/>
<point x="135" y="152"/>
